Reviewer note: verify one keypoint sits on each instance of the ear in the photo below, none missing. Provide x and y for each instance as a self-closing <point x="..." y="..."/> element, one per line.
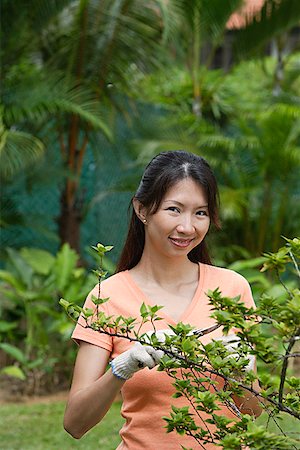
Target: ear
<point x="140" y="210"/>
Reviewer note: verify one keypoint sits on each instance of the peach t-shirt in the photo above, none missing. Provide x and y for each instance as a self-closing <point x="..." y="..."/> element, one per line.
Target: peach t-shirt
<point x="147" y="396"/>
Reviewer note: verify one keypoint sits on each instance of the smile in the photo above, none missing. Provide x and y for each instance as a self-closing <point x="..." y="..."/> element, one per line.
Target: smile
<point x="182" y="243"/>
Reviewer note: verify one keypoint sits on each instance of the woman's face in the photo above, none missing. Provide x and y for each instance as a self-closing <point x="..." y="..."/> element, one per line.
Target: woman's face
<point x="181" y="221"/>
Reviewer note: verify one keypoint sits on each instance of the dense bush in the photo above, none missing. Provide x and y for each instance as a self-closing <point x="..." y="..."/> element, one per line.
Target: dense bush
<point x="35" y="345"/>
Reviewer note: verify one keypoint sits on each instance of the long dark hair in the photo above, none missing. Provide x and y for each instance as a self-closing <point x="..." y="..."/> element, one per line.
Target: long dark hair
<point x="163" y="172"/>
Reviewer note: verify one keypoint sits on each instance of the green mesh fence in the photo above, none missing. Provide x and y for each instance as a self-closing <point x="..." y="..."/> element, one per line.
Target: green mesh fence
<point x="30" y="205"/>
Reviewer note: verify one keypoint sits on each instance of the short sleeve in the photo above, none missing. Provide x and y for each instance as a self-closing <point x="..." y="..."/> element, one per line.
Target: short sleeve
<point x="246" y="295"/>
<point x="83" y="333"/>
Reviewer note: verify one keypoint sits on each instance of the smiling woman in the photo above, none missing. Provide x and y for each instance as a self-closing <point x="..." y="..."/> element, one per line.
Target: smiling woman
<point x="180" y="222"/>
<point x="164" y="262"/>
<point x="157" y="185"/>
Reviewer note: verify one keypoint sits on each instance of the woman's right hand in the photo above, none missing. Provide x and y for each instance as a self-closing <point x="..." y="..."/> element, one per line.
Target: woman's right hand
<point x="136" y="358"/>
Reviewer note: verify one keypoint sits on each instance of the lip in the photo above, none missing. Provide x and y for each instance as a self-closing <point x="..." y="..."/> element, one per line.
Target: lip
<point x="180" y="242"/>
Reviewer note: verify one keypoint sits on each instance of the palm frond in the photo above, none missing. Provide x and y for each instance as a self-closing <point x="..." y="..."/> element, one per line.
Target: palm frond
<point x="275" y="18"/>
<point x="104" y="38"/>
<point x="209" y="17"/>
<point x="39" y="96"/>
<point x="288" y="111"/>
<point x="233" y="201"/>
<point x="229" y="144"/>
<point x="17" y="150"/>
<point x="215" y="14"/>
<point x="43" y="12"/>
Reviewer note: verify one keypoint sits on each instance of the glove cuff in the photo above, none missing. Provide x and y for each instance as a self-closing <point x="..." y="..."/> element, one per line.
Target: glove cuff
<point x="119" y="368"/>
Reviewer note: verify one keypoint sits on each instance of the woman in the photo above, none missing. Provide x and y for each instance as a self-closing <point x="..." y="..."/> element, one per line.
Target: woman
<point x="164" y="262"/>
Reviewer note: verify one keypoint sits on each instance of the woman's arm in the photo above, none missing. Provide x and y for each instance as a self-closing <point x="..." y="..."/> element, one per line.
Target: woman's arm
<point x="249" y="403"/>
<point x="92" y="392"/>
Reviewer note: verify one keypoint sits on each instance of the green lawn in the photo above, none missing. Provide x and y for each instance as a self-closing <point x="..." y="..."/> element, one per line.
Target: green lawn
<point x="39" y="427"/>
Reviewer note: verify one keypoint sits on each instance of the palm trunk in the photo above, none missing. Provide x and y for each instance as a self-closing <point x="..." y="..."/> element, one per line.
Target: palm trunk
<point x="69" y="221"/>
<point x="70" y="217"/>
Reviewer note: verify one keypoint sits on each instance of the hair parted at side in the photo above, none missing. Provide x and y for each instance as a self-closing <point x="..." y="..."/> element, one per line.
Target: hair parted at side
<point x="164" y="171"/>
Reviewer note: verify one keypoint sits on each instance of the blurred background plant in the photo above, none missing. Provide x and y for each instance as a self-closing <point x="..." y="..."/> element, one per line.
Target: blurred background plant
<point x="90" y="92"/>
<point x="34" y="335"/>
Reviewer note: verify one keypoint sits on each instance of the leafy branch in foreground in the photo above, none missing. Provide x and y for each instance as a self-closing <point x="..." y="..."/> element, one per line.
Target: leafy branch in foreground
<point x="208" y="376"/>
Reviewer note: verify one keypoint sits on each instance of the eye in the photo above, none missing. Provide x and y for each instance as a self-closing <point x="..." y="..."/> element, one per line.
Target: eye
<point x="202" y="212"/>
<point x="173" y="208"/>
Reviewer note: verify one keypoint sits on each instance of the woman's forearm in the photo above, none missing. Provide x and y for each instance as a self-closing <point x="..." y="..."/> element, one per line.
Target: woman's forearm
<point x="249" y="403"/>
<point x="88" y="406"/>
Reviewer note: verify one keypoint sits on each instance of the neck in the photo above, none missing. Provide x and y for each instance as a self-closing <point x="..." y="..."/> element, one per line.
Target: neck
<point x="166" y="270"/>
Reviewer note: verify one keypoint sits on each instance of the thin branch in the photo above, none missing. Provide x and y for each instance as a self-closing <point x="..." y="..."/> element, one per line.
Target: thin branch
<point x="291" y="355"/>
<point x="294" y="262"/>
<point x="285" y="365"/>
<point x="195" y="409"/>
<point x="282" y="283"/>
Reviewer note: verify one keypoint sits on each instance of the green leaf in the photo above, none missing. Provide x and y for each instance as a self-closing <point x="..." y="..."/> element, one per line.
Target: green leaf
<point x="11" y="279"/>
<point x="14" y="371"/>
<point x="88" y="312"/>
<point x="99" y="301"/>
<point x="64" y="266"/>
<point x="23" y="270"/>
<point x="187" y="346"/>
<point x="40" y="260"/>
<point x="143" y="310"/>
<point x="13" y="351"/>
<point x="7" y="326"/>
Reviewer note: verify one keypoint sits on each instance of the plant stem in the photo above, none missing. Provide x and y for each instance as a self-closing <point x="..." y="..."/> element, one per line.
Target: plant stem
<point x="285" y="365"/>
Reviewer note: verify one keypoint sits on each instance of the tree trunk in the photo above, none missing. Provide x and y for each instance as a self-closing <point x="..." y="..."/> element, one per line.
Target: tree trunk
<point x="69" y="222"/>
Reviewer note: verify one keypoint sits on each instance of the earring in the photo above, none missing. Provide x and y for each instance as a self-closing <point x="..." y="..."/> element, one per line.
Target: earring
<point x="145" y="221"/>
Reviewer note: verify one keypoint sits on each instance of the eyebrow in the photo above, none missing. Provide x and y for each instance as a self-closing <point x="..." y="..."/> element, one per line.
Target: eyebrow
<point x="181" y="204"/>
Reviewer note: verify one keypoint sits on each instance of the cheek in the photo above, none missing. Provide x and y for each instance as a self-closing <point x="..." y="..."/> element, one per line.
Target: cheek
<point x="205" y="226"/>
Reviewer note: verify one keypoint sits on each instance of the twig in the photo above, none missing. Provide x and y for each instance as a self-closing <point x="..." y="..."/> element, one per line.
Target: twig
<point x="285" y="365"/>
<point x="294" y="262"/>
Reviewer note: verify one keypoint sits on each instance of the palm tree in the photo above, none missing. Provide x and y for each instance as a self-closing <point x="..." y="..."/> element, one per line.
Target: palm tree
<point x="75" y="54"/>
<point x="193" y="27"/>
<point x="258" y="169"/>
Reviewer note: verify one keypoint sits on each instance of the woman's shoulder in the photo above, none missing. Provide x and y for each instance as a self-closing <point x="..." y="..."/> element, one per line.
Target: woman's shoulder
<point x="114" y="280"/>
<point x="224" y="274"/>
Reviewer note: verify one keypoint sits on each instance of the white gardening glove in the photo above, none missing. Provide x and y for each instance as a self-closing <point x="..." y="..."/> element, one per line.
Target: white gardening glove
<point x="160" y="335"/>
<point x="231" y="343"/>
<point x="134" y="359"/>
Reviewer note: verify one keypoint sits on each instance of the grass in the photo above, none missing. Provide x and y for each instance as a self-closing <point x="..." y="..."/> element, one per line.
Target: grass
<point x="39" y="427"/>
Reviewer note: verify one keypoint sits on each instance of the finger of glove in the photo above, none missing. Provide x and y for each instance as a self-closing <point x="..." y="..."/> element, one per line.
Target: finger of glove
<point x="140" y="358"/>
<point x="231" y="342"/>
<point x="156" y="355"/>
<point x="231" y="339"/>
<point x="160" y="335"/>
<point x="251" y="364"/>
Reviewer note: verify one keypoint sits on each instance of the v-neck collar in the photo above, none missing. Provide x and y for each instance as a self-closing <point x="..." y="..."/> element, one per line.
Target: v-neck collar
<point x="141" y="296"/>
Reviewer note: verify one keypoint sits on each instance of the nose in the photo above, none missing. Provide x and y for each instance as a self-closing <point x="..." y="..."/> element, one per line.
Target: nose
<point x="186" y="225"/>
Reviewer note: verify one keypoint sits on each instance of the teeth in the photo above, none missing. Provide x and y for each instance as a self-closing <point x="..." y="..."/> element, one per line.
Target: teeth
<point x="181" y="240"/>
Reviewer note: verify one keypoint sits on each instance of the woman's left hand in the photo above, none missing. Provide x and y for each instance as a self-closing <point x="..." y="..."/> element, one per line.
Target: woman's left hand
<point x="231" y="342"/>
